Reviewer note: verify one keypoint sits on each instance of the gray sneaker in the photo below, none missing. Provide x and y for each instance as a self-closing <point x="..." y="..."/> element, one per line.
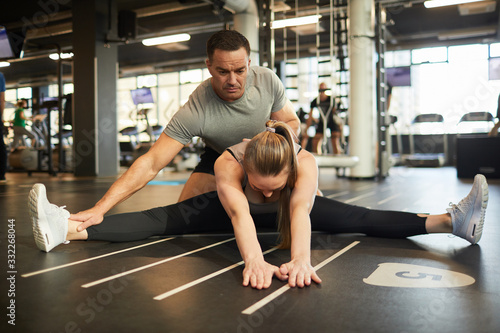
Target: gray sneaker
<point x="50" y="222"/>
<point x="467" y="217"/>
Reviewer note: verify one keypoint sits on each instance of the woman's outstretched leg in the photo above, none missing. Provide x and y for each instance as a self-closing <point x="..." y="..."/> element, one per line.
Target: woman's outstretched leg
<point x="51" y="224"/>
<point x="336" y="217"/>
<point x="202" y="213"/>
<point x="464" y="219"/>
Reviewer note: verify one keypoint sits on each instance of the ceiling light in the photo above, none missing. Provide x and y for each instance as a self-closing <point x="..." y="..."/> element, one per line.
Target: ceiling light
<point x="55" y="56"/>
<point x="4" y="64"/>
<point x="441" y="3"/>
<point x="468" y="33"/>
<point x="166" y="39"/>
<point x="293" y="22"/>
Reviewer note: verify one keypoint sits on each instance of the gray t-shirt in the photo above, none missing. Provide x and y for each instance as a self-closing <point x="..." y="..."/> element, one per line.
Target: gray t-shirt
<point x="222" y="124"/>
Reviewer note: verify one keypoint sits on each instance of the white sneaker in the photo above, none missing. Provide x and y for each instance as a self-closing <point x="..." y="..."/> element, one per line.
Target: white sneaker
<point x="50" y="222"/>
<point x="467" y="217"/>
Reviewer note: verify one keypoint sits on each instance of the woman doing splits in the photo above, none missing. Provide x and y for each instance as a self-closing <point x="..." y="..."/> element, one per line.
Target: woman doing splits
<point x="267" y="182"/>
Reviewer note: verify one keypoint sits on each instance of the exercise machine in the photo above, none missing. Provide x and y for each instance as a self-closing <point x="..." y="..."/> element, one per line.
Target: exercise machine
<point x="427" y="154"/>
<point x="133" y="147"/>
<point x="474" y="123"/>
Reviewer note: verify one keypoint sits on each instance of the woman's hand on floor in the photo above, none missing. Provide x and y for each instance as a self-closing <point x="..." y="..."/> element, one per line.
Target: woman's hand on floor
<point x="299" y="272"/>
<point x="259" y="274"/>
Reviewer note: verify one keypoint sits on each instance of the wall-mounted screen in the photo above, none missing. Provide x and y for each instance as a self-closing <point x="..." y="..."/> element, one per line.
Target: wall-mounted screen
<point x="399" y="76"/>
<point x="494" y="69"/>
<point x="142" y="96"/>
<point x="11" y="44"/>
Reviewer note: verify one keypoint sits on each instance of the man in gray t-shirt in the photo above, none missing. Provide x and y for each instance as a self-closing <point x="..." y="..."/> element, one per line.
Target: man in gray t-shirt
<point x="232" y="105"/>
<point x="207" y="115"/>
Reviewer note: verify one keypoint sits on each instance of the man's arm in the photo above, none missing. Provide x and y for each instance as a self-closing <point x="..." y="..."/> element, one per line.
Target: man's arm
<point x="288" y="115"/>
<point x="144" y="169"/>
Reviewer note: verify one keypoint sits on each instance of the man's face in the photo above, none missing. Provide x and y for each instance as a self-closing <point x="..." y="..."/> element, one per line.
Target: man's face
<point x="229" y="70"/>
<point x="323" y="88"/>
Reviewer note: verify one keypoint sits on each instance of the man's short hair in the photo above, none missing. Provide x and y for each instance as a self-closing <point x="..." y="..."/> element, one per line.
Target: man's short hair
<point x="227" y="40"/>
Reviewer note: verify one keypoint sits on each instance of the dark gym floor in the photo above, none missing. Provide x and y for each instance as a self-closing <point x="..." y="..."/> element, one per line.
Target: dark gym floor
<point x="428" y="283"/>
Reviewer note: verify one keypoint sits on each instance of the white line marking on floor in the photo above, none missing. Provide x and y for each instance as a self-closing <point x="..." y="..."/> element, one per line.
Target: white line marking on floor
<point x="381" y="202"/>
<point x="366" y="187"/>
<point x="269" y="298"/>
<point x="335" y="195"/>
<point x="205" y="278"/>
<point x="336" y="255"/>
<point x="359" y="197"/>
<point x="112" y="277"/>
<point x="93" y="258"/>
<point x="386" y="188"/>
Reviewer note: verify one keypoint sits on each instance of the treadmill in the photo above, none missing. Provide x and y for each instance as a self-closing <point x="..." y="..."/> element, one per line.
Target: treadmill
<point x="428" y="155"/>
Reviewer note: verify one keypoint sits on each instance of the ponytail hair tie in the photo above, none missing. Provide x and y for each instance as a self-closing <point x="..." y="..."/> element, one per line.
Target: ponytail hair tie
<point x="271" y="129"/>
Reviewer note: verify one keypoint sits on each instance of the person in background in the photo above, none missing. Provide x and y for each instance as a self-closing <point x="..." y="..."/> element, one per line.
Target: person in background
<point x="19" y="125"/>
<point x="327" y="110"/>
<point x="494" y="130"/>
<point x="3" y="149"/>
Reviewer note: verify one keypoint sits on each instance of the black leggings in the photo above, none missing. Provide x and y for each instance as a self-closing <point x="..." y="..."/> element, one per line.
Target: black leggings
<point x="204" y="213"/>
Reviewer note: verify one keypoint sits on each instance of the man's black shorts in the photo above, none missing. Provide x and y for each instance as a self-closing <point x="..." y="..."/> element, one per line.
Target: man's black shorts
<point x="207" y="161"/>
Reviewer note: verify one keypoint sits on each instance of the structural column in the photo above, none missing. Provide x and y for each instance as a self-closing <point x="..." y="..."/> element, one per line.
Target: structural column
<point x="246" y="22"/>
<point x="95" y="73"/>
<point x="362" y="98"/>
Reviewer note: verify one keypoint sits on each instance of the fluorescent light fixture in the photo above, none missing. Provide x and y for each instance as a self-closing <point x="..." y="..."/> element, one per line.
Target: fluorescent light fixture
<point x="4" y="64"/>
<point x="166" y="39"/>
<point x="442" y="3"/>
<point x="293" y="22"/>
<point x="55" y="56"/>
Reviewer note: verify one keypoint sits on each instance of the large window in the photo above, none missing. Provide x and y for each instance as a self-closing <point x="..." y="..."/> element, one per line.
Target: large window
<point x="168" y="96"/>
<point x="125" y="106"/>
<point x="451" y="81"/>
<point x="169" y="91"/>
<point x="429" y="55"/>
<point x="302" y="78"/>
<point x="68" y="88"/>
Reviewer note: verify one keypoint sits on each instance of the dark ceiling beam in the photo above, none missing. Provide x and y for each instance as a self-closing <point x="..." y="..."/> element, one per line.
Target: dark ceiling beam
<point x="50" y="31"/>
<point x="166" y="8"/>
<point x="53" y="17"/>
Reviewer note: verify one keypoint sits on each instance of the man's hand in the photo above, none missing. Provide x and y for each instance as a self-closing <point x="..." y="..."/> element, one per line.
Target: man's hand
<point x="259" y="274"/>
<point x="299" y="273"/>
<point x="88" y="218"/>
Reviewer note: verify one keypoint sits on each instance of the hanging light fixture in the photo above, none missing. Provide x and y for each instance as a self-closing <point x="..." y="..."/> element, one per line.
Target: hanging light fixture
<point x="442" y="3"/>
<point x="295" y="21"/>
<point x="166" y="39"/>
<point x="55" y="56"/>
